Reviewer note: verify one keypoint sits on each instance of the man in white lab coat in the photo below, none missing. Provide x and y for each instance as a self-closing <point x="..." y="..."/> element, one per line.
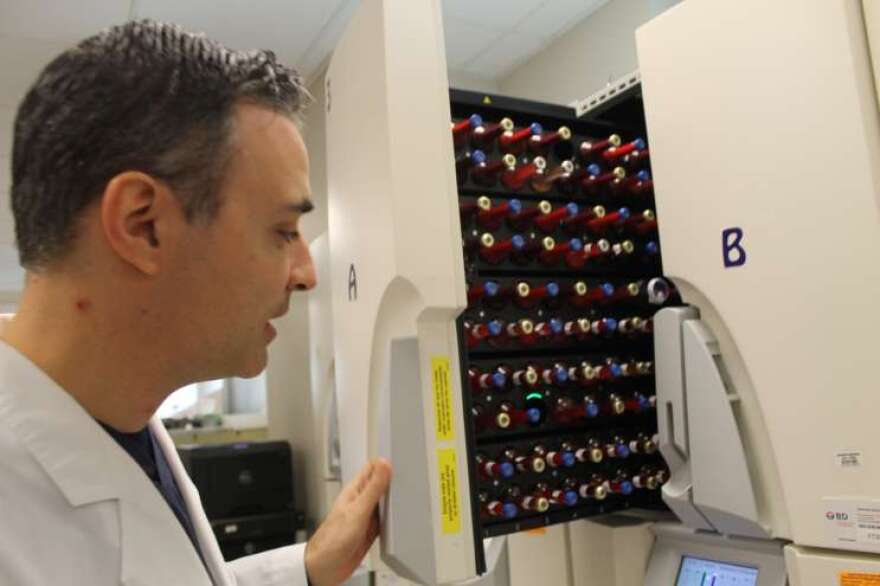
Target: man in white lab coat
<point x="157" y="184"/>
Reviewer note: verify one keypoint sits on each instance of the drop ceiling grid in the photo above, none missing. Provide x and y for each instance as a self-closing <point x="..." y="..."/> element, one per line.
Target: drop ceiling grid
<point x="527" y="27"/>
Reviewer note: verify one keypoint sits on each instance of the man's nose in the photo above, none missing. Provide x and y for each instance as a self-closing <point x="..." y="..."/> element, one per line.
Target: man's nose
<point x="302" y="269"/>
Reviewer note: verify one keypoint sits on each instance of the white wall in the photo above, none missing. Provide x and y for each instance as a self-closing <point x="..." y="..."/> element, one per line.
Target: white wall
<point x="611" y="551"/>
<point x="598" y="50"/>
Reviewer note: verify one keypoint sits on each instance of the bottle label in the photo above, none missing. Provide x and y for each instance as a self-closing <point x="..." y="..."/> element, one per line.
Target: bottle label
<point x="450" y="511"/>
<point x="443" y="410"/>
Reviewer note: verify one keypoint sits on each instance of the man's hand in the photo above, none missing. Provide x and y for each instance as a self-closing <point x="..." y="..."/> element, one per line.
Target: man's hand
<point x="343" y="539"/>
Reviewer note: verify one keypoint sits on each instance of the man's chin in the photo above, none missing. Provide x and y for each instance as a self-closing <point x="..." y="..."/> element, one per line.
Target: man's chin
<point x="250" y="364"/>
<point x="254" y="367"/>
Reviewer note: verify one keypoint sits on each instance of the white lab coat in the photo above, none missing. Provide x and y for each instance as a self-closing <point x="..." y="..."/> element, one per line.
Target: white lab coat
<point x="76" y="509"/>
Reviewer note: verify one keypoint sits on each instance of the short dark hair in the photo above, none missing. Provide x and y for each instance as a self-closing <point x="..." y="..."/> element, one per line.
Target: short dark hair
<point x="143" y="96"/>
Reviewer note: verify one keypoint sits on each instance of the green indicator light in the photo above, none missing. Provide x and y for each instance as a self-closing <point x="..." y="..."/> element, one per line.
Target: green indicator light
<point x="534" y="396"/>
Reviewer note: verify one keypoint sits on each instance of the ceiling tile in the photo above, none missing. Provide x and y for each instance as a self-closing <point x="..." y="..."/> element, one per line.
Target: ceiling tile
<point x="505" y="54"/>
<point x="555" y="17"/>
<point x="21" y="60"/>
<point x="285" y="27"/>
<point x="325" y="41"/>
<point x="500" y="15"/>
<point x="61" y="22"/>
<point x="464" y="41"/>
<point x="7" y="118"/>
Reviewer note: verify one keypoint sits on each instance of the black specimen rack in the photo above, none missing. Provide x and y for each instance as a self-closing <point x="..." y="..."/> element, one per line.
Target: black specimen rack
<point x="563" y="277"/>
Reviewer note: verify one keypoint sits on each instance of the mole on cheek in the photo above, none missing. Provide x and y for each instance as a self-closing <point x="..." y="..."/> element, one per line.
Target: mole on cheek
<point x="83" y="304"/>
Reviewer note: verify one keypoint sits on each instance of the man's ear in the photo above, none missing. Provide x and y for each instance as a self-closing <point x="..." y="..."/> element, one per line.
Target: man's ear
<point x="131" y="209"/>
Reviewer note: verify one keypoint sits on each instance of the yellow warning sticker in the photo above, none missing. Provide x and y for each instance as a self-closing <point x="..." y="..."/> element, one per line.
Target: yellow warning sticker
<point x="450" y="512"/>
<point x="859" y="579"/>
<point x="442" y="398"/>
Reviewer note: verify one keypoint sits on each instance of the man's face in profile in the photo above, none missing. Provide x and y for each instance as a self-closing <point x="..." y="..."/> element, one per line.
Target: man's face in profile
<point x="237" y="272"/>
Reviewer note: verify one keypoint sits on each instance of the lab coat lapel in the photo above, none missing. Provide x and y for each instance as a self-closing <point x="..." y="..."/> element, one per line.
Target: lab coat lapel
<point x="88" y="466"/>
<point x="204" y="533"/>
<point x="151" y="552"/>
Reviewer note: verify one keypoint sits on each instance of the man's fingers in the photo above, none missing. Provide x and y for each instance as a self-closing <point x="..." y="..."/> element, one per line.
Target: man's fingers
<point x="374" y="528"/>
<point x="369" y="485"/>
<point x="375" y="485"/>
<point x="356" y="486"/>
<point x="371" y="535"/>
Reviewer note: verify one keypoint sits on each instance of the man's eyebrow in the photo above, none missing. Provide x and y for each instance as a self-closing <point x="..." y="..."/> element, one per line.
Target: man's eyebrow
<point x="302" y="207"/>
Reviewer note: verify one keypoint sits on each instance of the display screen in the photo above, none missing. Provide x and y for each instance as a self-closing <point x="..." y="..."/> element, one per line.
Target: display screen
<point x="700" y="572"/>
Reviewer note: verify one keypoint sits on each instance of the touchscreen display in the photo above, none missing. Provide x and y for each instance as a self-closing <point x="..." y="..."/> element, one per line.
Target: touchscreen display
<point x="702" y="572"/>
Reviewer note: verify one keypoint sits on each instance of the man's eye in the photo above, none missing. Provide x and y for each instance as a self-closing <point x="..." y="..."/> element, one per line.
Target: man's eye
<point x="289" y="236"/>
